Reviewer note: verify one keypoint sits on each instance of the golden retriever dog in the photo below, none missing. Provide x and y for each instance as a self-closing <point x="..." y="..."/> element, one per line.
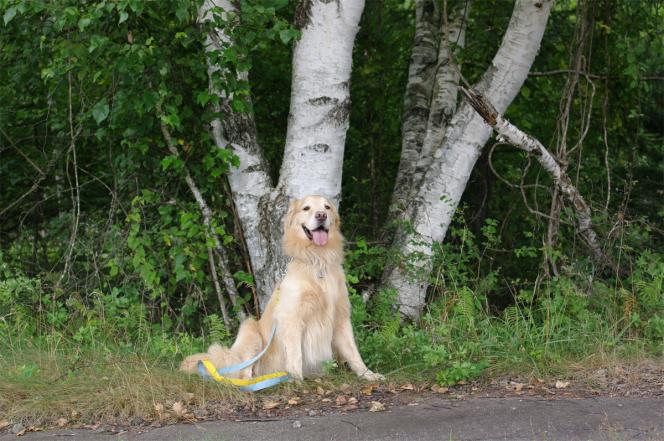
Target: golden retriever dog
<point x="309" y="307"/>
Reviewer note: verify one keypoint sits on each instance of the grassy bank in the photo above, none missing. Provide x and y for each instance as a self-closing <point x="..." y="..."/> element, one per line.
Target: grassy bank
<point x="106" y="356"/>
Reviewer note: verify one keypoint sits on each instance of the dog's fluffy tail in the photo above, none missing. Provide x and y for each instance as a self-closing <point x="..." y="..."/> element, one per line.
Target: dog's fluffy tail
<point x="247" y="344"/>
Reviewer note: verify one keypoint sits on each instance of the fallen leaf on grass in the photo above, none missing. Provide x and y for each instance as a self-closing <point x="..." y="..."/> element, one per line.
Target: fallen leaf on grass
<point x="439" y="389"/>
<point x="179" y="409"/>
<point x="561" y="384"/>
<point x="407" y="386"/>
<point x="518" y="387"/>
<point x="368" y="389"/>
<point x="320" y="390"/>
<point x="341" y="400"/>
<point x="159" y="408"/>
<point x="270" y="405"/>
<point x="188" y="397"/>
<point x="326" y="400"/>
<point x="294" y="401"/>
<point x="3" y="424"/>
<point x="345" y="388"/>
<point x="352" y="400"/>
<point x="376" y="406"/>
<point x="61" y="422"/>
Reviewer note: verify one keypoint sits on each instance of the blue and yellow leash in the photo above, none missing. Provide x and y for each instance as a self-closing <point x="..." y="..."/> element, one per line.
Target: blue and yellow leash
<point x="207" y="370"/>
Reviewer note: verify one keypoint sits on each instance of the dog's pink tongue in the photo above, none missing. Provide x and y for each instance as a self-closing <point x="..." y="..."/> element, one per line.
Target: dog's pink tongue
<point x="320" y="237"/>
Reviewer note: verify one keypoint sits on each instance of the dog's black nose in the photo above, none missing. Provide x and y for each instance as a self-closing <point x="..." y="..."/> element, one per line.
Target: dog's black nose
<point x="321" y="216"/>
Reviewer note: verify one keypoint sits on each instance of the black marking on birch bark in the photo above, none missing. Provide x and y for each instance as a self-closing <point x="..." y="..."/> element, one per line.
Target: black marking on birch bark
<point x="420" y="112"/>
<point x="339" y="112"/>
<point x="253" y="168"/>
<point x="322" y="100"/>
<point x="428" y="10"/>
<point x="319" y="148"/>
<point x="302" y="16"/>
<point x="272" y="207"/>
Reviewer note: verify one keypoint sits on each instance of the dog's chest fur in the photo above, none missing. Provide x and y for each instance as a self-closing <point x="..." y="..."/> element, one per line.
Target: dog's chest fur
<point x="315" y="306"/>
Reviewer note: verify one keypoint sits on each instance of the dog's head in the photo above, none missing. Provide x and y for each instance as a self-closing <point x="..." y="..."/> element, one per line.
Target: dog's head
<point x="311" y="224"/>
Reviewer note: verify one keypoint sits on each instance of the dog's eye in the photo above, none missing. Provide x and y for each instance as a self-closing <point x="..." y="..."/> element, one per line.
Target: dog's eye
<point x="327" y="207"/>
<point x="306" y="208"/>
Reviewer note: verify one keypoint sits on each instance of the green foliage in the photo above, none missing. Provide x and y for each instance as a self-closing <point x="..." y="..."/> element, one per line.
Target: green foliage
<point x="82" y="151"/>
<point x="84" y="86"/>
<point x="461" y="335"/>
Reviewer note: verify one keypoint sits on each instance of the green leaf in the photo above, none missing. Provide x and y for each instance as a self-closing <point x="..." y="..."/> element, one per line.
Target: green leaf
<point x="10" y="13"/>
<point x="285" y="36"/>
<point x="84" y="23"/>
<point x="181" y="13"/>
<point x="203" y="98"/>
<point x="95" y="42"/>
<point x="100" y="111"/>
<point x="123" y="17"/>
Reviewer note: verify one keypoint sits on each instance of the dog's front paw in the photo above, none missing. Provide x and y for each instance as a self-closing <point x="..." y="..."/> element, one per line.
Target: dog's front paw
<point x="372" y="376"/>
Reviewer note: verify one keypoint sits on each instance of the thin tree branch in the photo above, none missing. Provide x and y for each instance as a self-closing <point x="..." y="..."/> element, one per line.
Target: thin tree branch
<point x="20" y="152"/>
<point x="226" y="275"/>
<point x="512" y="134"/>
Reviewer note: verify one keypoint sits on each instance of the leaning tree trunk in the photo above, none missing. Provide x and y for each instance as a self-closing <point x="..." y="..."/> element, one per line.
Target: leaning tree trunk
<point x="435" y="201"/>
<point x="316" y="135"/>
<point x="421" y="75"/>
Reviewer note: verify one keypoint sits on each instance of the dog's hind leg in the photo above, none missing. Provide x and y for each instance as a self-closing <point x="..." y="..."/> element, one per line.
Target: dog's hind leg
<point x="247" y="344"/>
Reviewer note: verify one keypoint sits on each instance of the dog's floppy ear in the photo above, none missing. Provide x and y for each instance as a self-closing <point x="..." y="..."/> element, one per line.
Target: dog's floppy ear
<point x="337" y="219"/>
<point x="288" y="219"/>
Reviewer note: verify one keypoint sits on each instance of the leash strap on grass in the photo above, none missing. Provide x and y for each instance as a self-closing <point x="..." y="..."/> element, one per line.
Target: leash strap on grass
<point x="207" y="370"/>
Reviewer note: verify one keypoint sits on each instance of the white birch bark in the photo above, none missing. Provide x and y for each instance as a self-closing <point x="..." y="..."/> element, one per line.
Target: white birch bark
<point x="445" y="88"/>
<point x="437" y="198"/>
<point x="318" y="121"/>
<point x="249" y="182"/>
<point x="421" y="74"/>
<point x="318" y="118"/>
<point x="320" y="98"/>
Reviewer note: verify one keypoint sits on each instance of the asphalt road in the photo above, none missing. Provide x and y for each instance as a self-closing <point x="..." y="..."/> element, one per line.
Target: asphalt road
<point x="512" y="419"/>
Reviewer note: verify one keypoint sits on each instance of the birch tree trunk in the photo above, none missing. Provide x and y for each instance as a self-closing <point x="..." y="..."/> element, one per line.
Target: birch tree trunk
<point x="318" y="117"/>
<point x="435" y="201"/>
<point x="421" y="75"/>
<point x="249" y="182"/>
<point x="445" y="88"/>
<point x="316" y="135"/>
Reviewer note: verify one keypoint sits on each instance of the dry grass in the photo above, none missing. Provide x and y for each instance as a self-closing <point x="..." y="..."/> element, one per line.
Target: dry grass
<point x="38" y="386"/>
<point x="40" y="383"/>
